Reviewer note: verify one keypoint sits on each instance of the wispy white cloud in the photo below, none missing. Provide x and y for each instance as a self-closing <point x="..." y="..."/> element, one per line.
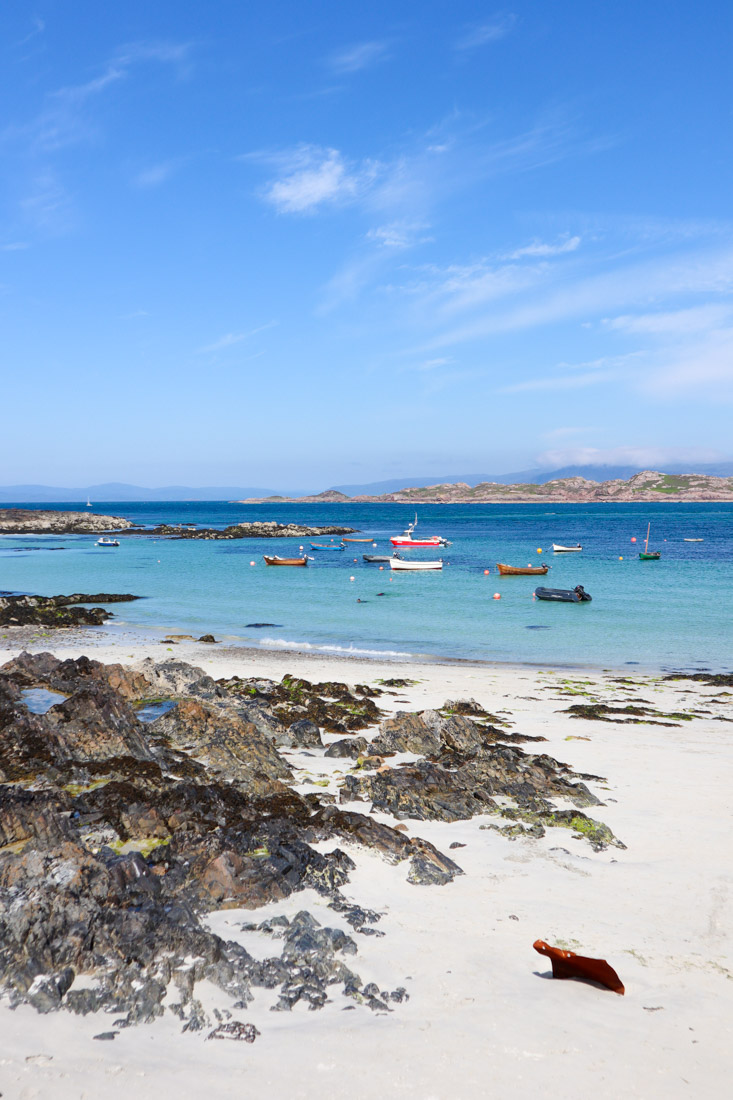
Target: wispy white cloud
<point x="361" y="55"/>
<point x="674" y="322"/>
<point x="229" y="339"/>
<point x="560" y="382"/>
<point x="399" y="234"/>
<point x="655" y="458"/>
<point x="481" y="34"/>
<point x="65" y="119"/>
<point x="155" y="174"/>
<point x="312" y="176"/>
<point x="38" y="28"/>
<point x="47" y="206"/>
<point x="541" y="248"/>
<point x="14" y="246"/>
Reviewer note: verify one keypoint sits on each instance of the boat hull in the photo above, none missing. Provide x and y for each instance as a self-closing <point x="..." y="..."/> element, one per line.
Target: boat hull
<point x="397" y="563"/>
<point x="285" y="561"/>
<point x="518" y="571"/>
<point x="377" y="558"/>
<point x="400" y="540"/>
<point x="563" y="595"/>
<point x="339" y="548"/>
<point x="652" y="555"/>
<point x="566" y="549"/>
<point x="358" y="540"/>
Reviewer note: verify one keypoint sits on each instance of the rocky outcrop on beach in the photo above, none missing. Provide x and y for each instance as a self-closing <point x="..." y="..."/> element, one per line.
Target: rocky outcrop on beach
<point x="29" y="521"/>
<point x="118" y="836"/>
<point x="267" y="529"/>
<point x="144" y="799"/>
<point x="649" y="485"/>
<point x="58" y="611"/>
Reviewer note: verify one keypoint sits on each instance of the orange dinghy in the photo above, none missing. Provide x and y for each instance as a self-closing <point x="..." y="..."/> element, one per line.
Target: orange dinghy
<point x="357" y="540"/>
<point x="521" y="571"/>
<point x="284" y="561"/>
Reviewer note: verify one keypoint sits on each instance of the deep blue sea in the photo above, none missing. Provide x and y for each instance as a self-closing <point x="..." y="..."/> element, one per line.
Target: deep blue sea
<point x="674" y="613"/>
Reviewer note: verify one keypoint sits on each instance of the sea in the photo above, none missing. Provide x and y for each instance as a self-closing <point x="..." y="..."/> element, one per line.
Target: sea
<point x="670" y="614"/>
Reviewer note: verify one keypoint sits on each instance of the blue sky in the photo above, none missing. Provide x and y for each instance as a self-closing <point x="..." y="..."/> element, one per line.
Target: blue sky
<point x="303" y="243"/>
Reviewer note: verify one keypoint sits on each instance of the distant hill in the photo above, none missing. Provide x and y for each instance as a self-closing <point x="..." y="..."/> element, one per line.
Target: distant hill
<point x="647" y="485"/>
<point x="118" y="491"/>
<point x="525" y="477"/>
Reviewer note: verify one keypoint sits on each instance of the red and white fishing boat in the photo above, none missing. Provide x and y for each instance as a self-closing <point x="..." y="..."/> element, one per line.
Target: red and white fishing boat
<point x="406" y="539"/>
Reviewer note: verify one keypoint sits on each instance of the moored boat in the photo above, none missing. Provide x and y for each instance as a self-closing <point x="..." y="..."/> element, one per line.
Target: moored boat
<point x="693" y="540"/>
<point x="398" y="563"/>
<point x="646" y="554"/>
<point x="102" y="541"/>
<point x="318" y="546"/>
<point x="357" y="540"/>
<point x="566" y="549"/>
<point x="521" y="571"/>
<point x="379" y="557"/>
<point x="564" y="595"/>
<point x="406" y="539"/>
<point x="275" y="560"/>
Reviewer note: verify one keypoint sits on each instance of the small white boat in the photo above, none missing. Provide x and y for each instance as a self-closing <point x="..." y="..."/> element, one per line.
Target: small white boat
<point x="693" y="540"/>
<point x="400" y="563"/>
<point x="566" y="549"/>
<point x="107" y="542"/>
<point x="89" y="503"/>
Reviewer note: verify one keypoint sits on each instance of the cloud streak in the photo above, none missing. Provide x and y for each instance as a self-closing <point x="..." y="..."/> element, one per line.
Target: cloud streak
<point x="481" y="34"/>
<point x="361" y="55"/>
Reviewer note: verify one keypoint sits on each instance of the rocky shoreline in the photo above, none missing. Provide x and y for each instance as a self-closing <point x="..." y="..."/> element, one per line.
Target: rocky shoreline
<point x="58" y="611"/>
<point x="144" y="799"/>
<point x="29" y="521"/>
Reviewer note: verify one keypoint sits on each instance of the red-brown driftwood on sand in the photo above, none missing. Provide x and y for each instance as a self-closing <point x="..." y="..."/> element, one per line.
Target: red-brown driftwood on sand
<point x="566" y="964"/>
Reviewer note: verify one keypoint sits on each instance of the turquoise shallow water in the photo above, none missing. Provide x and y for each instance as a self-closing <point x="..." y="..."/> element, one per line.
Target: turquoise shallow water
<point x="675" y="613"/>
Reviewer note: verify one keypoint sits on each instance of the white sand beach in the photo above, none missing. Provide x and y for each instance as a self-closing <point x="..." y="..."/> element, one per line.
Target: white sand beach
<point x="483" y="1018"/>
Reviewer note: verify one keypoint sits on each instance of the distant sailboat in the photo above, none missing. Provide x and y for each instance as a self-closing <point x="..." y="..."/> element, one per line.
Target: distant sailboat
<point x="646" y="554"/>
<point x="89" y="503"/>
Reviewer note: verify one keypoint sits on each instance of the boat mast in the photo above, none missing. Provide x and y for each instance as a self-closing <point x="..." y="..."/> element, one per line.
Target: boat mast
<point x="646" y="545"/>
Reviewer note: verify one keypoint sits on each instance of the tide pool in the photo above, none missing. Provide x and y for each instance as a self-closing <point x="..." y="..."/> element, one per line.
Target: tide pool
<point x="674" y="613"/>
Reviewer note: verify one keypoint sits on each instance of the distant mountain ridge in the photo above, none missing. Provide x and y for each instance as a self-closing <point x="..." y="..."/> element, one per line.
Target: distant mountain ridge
<point x="120" y="491"/>
<point x="647" y="485"/>
<point x="534" y="477"/>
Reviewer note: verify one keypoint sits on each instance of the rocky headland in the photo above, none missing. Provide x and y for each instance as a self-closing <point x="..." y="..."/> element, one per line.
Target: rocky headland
<point x="649" y="485"/>
<point x="29" y="521"/>
<point x="58" y="611"/>
<point x="267" y="529"/>
<point x="135" y="802"/>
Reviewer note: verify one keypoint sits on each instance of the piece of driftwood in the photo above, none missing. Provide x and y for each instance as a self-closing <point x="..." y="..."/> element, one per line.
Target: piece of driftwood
<point x="566" y="964"/>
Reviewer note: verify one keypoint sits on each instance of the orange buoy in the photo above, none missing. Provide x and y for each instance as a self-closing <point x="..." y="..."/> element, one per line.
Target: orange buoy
<point x="620" y="558"/>
<point x="539" y="549"/>
<point x="352" y="578"/>
<point x="251" y="563"/>
<point x="486" y="572"/>
<point x="633" y="538"/>
<point x="497" y="595"/>
<point x="381" y="568"/>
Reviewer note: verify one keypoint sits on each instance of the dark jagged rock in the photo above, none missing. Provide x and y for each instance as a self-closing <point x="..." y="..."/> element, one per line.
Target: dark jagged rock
<point x="348" y="747"/>
<point x="305" y="734"/>
<point x="57" y="610"/>
<point x="266" y="529"/>
<point x="211" y="640"/>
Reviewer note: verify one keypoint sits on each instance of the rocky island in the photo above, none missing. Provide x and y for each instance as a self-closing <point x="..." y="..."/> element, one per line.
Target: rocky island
<point x="29" y="521"/>
<point x="267" y="529"/>
<point x="649" y="485"/>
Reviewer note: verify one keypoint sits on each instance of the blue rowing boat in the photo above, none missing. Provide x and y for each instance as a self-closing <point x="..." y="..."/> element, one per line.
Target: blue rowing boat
<point x="317" y="546"/>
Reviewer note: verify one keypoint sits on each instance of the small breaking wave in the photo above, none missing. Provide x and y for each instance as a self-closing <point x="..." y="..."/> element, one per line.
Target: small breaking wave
<point x="347" y="651"/>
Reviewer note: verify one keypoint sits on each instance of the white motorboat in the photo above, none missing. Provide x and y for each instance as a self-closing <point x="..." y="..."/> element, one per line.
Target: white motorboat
<point x="107" y="542"/>
<point x="566" y="549"/>
<point x="400" y="563"/>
